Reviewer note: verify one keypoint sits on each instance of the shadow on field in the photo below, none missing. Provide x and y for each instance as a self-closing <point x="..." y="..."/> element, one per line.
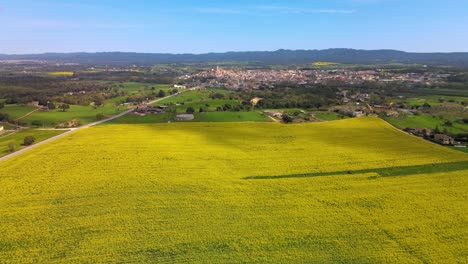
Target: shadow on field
<point x="382" y="172"/>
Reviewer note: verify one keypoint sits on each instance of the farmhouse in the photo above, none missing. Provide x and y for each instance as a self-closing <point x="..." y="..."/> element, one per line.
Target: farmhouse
<point x="358" y="113"/>
<point x="255" y="101"/>
<point x="1" y="129"/>
<point x="423" y="131"/>
<point x="444" y="139"/>
<point x="147" y="109"/>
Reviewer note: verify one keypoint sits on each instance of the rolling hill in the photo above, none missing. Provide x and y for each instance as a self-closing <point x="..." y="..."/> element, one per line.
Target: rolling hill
<point x="348" y="56"/>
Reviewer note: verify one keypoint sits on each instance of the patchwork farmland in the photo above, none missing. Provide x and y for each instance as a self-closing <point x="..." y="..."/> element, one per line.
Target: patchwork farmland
<point x="348" y="191"/>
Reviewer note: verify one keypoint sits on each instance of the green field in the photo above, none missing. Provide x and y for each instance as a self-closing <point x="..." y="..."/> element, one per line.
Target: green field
<point x="136" y="87"/>
<point x="328" y="116"/>
<point x="430" y="99"/>
<point x="189" y="96"/>
<point x="425" y="121"/>
<point x="18" y="138"/>
<point x="86" y="114"/>
<point x="199" y="117"/>
<point x="231" y="117"/>
<point x="349" y="191"/>
<point x="16" y="111"/>
<point x="444" y="92"/>
<point x="147" y="119"/>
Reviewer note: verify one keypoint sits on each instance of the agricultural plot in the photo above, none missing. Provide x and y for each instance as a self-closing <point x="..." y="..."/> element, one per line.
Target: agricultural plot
<point x="17" y="138"/>
<point x="137" y="87"/>
<point x="147" y="119"/>
<point x="16" y="111"/>
<point x="190" y="96"/>
<point x="85" y="114"/>
<point x="348" y="191"/>
<point x="426" y="121"/>
<point x="61" y="74"/>
<point x="328" y="116"/>
<point x="430" y="99"/>
<point x="442" y="92"/>
<point x="207" y="105"/>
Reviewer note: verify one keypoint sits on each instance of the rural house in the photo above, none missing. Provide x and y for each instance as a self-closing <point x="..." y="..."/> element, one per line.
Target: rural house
<point x="423" y="131"/>
<point x="147" y="109"/>
<point x="444" y="139"/>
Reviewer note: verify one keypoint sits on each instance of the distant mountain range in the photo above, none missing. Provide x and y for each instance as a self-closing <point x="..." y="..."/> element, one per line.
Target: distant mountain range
<point x="347" y="56"/>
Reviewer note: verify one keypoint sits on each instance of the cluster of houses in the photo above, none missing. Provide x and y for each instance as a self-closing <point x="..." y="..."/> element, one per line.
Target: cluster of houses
<point x="440" y="138"/>
<point x="252" y="79"/>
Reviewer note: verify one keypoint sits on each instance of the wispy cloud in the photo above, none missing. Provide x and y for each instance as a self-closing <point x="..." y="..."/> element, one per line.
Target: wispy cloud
<point x="270" y="10"/>
<point x="216" y="10"/>
<point x="293" y="10"/>
<point x="48" y="24"/>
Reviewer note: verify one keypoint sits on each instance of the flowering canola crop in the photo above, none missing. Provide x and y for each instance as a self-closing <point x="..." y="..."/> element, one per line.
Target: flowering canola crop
<point x="353" y="190"/>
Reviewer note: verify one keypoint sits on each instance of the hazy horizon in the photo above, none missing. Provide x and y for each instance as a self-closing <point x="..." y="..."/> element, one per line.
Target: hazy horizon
<point x="228" y="51"/>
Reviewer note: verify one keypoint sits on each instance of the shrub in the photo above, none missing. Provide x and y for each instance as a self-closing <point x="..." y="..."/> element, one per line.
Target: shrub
<point x="190" y="110"/>
<point x="29" y="140"/>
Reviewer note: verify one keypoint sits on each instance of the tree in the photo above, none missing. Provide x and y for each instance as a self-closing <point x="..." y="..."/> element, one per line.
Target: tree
<point x="100" y="116"/>
<point x="64" y="107"/>
<point x="217" y="96"/>
<point x="437" y="130"/>
<point x="29" y="140"/>
<point x="174" y="91"/>
<point x="98" y="100"/>
<point x="190" y="110"/>
<point x="37" y="123"/>
<point x="161" y="93"/>
<point x="426" y="105"/>
<point x="287" y="118"/>
<point x="4" y="117"/>
<point x="2" y="104"/>
<point x="51" y="106"/>
<point x="11" y="146"/>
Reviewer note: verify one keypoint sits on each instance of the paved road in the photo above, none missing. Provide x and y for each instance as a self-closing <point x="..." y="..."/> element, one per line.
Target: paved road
<point x="19" y="152"/>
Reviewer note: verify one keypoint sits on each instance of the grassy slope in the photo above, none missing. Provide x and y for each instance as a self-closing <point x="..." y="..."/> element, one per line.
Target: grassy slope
<point x="15" y="111"/>
<point x="179" y="193"/>
<point x="18" y="138"/>
<point x="86" y="114"/>
<point x="425" y="121"/>
<point x="328" y="116"/>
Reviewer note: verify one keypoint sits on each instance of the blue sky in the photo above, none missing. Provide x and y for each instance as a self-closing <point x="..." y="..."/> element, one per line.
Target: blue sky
<point x="190" y="26"/>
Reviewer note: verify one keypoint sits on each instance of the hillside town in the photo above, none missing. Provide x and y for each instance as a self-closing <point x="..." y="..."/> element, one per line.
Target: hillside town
<point x="254" y="79"/>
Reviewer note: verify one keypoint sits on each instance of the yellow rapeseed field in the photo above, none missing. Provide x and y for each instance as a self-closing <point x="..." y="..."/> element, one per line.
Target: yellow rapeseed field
<point x="62" y="73"/>
<point x="348" y="191"/>
<point x="323" y="63"/>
